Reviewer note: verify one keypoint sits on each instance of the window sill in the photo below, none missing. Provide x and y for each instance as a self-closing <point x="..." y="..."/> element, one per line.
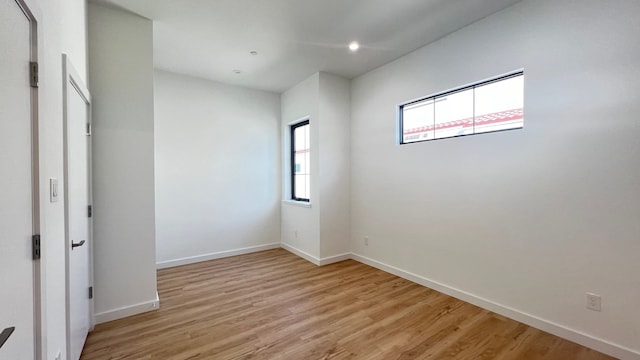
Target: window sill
<point x="297" y="203"/>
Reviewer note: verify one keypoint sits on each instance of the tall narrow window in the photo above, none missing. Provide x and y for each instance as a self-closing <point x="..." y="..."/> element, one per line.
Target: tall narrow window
<point x="300" y="162"/>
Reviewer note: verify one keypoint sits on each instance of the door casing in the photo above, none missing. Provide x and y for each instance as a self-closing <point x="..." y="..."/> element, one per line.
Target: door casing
<point x="31" y="10"/>
<point x="72" y="79"/>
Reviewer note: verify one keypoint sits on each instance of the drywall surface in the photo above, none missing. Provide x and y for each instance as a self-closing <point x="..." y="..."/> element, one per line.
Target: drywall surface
<point x="334" y="160"/>
<point x="217" y="167"/>
<point x="121" y="83"/>
<point x="321" y="231"/>
<point x="56" y="20"/>
<point x="74" y="34"/>
<point x="531" y="219"/>
<point x="301" y="225"/>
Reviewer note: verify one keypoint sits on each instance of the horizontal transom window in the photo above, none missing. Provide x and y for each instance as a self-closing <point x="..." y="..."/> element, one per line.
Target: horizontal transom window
<point x="492" y="105"/>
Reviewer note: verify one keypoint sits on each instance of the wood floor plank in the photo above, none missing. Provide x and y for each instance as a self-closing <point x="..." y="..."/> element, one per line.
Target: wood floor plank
<point x="274" y="305"/>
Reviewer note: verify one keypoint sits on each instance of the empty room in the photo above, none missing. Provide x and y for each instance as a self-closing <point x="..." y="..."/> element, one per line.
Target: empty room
<point x="306" y="179"/>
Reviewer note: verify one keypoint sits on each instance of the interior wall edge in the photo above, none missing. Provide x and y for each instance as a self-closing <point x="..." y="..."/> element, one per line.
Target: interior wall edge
<point x="334" y="259"/>
<point x="305" y="255"/>
<point x="126" y="311"/>
<point x="315" y="260"/>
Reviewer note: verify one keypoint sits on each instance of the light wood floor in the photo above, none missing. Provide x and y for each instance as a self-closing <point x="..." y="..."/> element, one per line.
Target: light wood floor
<point x="274" y="305"/>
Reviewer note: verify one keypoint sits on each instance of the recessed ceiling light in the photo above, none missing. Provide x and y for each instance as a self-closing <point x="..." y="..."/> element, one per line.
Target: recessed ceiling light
<point x="354" y="46"/>
<point x="237" y="71"/>
<point x="254" y="53"/>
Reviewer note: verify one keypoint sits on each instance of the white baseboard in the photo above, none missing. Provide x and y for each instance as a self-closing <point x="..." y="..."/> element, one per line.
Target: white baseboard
<point x="314" y="260"/>
<point x="127" y="311"/>
<point x="581" y="338"/>
<point x="334" y="259"/>
<point x="310" y="258"/>
<point x="589" y="341"/>
<point x="213" y="256"/>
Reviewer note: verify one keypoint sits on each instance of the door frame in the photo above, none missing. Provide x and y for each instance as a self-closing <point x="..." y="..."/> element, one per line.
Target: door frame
<point x="31" y="10"/>
<point x="72" y="79"/>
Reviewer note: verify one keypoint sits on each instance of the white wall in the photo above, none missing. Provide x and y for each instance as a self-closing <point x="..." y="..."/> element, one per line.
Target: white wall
<point x="74" y="34"/>
<point x="320" y="232"/>
<point x="334" y="160"/>
<point x="301" y="225"/>
<point x="121" y="74"/>
<point x="217" y="169"/>
<point x="57" y="20"/>
<point x="530" y="219"/>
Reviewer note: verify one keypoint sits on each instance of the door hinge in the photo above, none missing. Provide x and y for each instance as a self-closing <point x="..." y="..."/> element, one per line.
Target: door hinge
<point x="35" y="246"/>
<point x="88" y="129"/>
<point x="33" y="74"/>
<point x="90" y="292"/>
<point x="90" y="211"/>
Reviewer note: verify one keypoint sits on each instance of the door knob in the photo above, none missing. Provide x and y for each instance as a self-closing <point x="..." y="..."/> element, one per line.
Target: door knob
<point x="75" y="245"/>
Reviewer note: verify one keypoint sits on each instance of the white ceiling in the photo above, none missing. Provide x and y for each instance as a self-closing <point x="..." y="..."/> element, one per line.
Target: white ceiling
<point x="295" y="38"/>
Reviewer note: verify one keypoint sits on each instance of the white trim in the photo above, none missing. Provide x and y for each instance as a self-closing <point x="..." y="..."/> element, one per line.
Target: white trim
<point x="32" y="11"/>
<point x="303" y="204"/>
<point x="71" y="80"/>
<point x="216" y="255"/>
<point x="314" y="260"/>
<point x="334" y="259"/>
<point x="310" y="258"/>
<point x="127" y="311"/>
<point x="562" y="331"/>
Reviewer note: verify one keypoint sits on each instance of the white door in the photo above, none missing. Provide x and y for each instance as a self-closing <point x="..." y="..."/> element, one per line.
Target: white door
<point x="77" y="197"/>
<point x="16" y="206"/>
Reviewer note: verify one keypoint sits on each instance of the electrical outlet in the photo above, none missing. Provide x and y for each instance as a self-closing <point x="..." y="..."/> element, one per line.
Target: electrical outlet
<point x="366" y="241"/>
<point x="594" y="302"/>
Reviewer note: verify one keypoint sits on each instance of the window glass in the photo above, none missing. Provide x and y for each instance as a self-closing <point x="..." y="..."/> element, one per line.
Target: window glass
<point x="499" y="105"/>
<point x="487" y="106"/>
<point x="454" y="114"/>
<point x="418" y="121"/>
<point x="301" y="160"/>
